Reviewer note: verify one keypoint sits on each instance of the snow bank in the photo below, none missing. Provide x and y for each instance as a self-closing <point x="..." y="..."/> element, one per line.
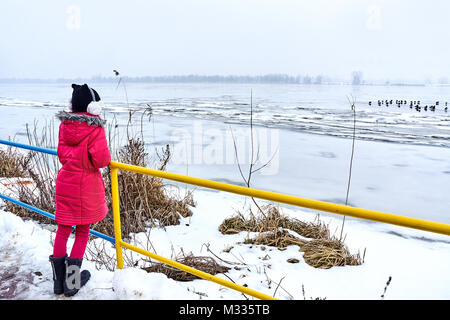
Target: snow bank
<point x="132" y="283"/>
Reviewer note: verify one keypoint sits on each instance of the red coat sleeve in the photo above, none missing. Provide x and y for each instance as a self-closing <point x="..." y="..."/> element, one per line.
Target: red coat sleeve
<point x="98" y="149"/>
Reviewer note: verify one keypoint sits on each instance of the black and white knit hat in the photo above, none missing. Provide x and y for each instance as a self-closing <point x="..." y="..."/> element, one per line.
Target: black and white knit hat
<point x="85" y="99"/>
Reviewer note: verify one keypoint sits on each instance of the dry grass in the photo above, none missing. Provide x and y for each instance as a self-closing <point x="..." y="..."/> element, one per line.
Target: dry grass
<point x="322" y="251"/>
<point x="327" y="253"/>
<point x="272" y="220"/>
<point x="13" y="164"/>
<point x="205" y="264"/>
<point x="144" y="200"/>
<point x="40" y="171"/>
<point x="276" y="238"/>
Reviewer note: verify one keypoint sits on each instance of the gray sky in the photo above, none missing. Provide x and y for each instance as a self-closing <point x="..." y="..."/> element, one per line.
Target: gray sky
<point x="396" y="39"/>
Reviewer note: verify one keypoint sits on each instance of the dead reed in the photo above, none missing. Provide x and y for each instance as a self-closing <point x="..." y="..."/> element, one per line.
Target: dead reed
<point x="322" y="251"/>
<point x="13" y="164"/>
<point x="144" y="200"/>
<point x="40" y="170"/>
<point x="272" y="220"/>
<point x="327" y="253"/>
<point x="275" y="238"/>
<point x="202" y="263"/>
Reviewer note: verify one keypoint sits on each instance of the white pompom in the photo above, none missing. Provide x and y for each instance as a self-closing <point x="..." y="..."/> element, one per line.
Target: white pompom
<point x="95" y="107"/>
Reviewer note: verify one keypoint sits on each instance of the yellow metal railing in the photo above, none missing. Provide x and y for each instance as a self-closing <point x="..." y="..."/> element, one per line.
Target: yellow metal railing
<point x="120" y="243"/>
<point x="414" y="223"/>
<point x="408" y="222"/>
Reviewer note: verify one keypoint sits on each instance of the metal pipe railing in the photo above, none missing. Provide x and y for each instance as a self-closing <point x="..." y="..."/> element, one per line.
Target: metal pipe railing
<point x="198" y="273"/>
<point x="52" y="216"/>
<point x="28" y="147"/>
<point x="415" y="223"/>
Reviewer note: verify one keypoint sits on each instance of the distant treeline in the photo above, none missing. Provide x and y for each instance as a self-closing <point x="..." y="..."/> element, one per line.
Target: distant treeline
<point x="268" y="78"/>
<point x="356" y="78"/>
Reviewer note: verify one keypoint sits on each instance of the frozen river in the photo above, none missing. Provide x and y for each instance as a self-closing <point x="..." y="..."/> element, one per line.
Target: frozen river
<point x="401" y="162"/>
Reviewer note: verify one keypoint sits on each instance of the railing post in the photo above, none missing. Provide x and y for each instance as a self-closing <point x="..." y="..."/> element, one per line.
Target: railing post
<point x="116" y="216"/>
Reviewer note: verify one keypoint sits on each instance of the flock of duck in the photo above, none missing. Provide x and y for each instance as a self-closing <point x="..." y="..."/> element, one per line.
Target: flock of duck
<point x="412" y="104"/>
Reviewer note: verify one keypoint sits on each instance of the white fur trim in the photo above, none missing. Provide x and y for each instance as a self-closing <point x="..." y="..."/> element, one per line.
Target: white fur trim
<point x="95" y="107"/>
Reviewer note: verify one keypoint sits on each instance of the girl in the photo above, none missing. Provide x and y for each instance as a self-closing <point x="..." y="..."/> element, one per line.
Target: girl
<point x="80" y="190"/>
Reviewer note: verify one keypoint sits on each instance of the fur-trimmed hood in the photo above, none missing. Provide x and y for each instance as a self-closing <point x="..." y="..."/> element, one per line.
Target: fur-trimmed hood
<point x="81" y="117"/>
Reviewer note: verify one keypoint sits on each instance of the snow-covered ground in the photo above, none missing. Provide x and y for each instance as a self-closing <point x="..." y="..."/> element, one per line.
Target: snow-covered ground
<point x="417" y="261"/>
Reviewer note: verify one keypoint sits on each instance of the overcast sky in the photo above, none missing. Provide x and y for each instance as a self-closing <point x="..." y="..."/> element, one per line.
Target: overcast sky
<point x="396" y="39"/>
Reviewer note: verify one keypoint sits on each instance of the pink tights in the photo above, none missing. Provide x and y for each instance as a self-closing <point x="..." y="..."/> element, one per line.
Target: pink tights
<point x="81" y="239"/>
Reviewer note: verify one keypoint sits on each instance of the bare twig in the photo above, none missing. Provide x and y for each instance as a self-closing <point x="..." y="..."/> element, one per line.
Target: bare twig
<point x="279" y="283"/>
<point x="210" y="251"/>
<point x="385" y="288"/>
<point x="352" y="103"/>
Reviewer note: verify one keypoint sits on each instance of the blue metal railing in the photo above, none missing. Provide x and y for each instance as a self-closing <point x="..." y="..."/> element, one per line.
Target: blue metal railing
<point x="37" y="210"/>
<point x="26" y="146"/>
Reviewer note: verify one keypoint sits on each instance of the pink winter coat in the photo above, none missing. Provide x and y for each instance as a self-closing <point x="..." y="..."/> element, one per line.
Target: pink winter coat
<point x="82" y="151"/>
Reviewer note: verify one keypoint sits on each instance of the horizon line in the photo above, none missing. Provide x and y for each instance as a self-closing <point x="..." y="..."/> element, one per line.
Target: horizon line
<point x="263" y="78"/>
